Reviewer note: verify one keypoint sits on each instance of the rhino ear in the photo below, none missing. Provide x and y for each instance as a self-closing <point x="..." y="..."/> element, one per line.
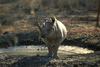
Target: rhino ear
<point x="53" y="19"/>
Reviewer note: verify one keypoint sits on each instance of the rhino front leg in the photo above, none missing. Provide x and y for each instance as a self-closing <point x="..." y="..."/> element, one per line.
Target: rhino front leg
<point x="50" y="53"/>
<point x="55" y="50"/>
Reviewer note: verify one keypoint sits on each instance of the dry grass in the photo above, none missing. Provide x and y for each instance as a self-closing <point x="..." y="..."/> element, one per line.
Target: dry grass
<point x="7" y="29"/>
<point x="83" y="30"/>
<point x="18" y="26"/>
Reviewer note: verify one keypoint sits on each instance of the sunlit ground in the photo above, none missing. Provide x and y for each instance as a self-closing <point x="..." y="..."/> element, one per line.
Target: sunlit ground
<point x="69" y="50"/>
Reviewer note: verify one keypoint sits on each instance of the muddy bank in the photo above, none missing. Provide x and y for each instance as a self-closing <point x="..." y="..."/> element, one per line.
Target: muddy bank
<point x="36" y="56"/>
<point x="87" y="60"/>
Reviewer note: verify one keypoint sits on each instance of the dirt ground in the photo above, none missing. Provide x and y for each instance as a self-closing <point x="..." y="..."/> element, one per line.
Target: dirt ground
<point x="88" y="60"/>
<point x="39" y="59"/>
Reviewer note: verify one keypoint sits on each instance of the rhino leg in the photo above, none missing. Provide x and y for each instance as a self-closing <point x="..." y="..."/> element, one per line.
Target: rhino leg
<point x="50" y="53"/>
<point x="55" y="50"/>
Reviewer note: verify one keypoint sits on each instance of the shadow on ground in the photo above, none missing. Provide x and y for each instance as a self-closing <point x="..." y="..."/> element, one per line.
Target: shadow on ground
<point x="34" y="61"/>
<point x="44" y="61"/>
<point x="78" y="42"/>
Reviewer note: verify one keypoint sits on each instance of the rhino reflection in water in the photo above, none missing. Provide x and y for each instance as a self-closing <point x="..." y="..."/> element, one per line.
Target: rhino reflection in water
<point x="53" y="32"/>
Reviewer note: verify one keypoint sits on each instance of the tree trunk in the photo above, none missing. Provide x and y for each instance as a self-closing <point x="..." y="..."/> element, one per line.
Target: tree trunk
<point x="98" y="14"/>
